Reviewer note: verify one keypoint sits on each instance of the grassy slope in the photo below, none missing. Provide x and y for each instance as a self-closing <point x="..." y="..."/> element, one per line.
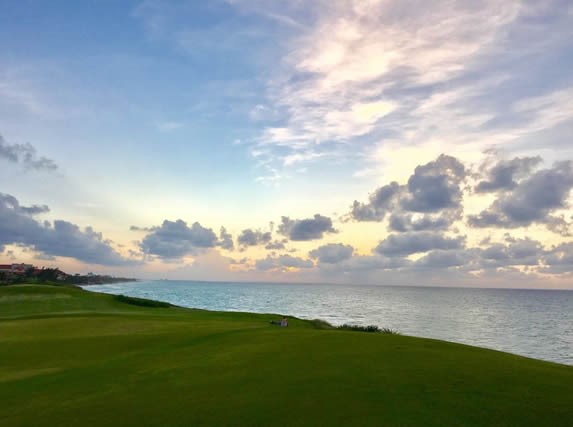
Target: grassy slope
<point x="73" y="358"/>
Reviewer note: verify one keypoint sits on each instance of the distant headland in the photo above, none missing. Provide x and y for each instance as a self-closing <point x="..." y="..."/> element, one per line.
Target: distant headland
<point x="28" y="273"/>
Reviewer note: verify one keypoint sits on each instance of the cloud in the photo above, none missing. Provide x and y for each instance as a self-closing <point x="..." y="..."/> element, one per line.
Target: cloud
<point x="533" y="200"/>
<point x="25" y="155"/>
<point x="365" y="68"/>
<point x="276" y="245"/>
<point x="366" y="263"/>
<point x="438" y="259"/>
<point x="60" y="238"/>
<point x="306" y="229"/>
<point x="34" y="209"/>
<point x="332" y="253"/>
<point x="403" y="222"/>
<point x="435" y="186"/>
<point x="503" y="175"/>
<point x="431" y="199"/>
<point x="559" y="260"/>
<point x="249" y="237"/>
<point x="527" y="252"/>
<point x="143" y="229"/>
<point x="380" y="202"/>
<point x="226" y="240"/>
<point x="175" y="239"/>
<point x="282" y="263"/>
<point x="416" y="242"/>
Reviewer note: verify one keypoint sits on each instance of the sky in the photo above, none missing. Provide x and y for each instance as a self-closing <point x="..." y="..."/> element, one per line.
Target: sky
<point x="387" y="142"/>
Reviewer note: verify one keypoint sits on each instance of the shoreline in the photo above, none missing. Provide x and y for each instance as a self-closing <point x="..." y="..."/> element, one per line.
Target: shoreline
<point x="336" y="325"/>
<point x="102" y="360"/>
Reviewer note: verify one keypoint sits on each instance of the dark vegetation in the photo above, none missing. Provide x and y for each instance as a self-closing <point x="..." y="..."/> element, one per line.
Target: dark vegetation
<point x="369" y="328"/>
<point x="54" y="276"/>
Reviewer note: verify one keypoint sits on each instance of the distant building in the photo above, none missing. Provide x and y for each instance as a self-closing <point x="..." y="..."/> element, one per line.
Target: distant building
<point x="15" y="268"/>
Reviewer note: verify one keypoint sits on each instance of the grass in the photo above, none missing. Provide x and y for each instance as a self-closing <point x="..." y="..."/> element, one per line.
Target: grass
<point x="141" y="302"/>
<point x="69" y="357"/>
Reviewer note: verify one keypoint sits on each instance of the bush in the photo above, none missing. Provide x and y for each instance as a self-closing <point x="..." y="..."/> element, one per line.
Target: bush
<point x="141" y="302"/>
<point x="369" y="328"/>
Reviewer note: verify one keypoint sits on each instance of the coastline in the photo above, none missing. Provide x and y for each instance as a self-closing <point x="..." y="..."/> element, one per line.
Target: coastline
<point x="489" y="318"/>
<point x="103" y="360"/>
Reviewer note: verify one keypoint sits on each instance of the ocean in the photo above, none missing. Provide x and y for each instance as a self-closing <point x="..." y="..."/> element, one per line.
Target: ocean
<point x="532" y="323"/>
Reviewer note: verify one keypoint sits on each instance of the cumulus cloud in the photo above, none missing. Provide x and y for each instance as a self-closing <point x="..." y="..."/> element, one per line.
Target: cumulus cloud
<point x="35" y="209"/>
<point x="60" y="238"/>
<point x="533" y="200"/>
<point x="402" y="222"/>
<point x="503" y="175"/>
<point x="25" y="155"/>
<point x="431" y="199"/>
<point x="142" y="229"/>
<point x="416" y="242"/>
<point x="559" y="260"/>
<point x="282" y="262"/>
<point x="226" y="240"/>
<point x="435" y="186"/>
<point x="276" y="245"/>
<point x="367" y="263"/>
<point x="306" y="229"/>
<point x="175" y="239"/>
<point x="444" y="259"/>
<point x="249" y="237"/>
<point x="332" y="253"/>
<point x="379" y="203"/>
<point x="527" y="252"/>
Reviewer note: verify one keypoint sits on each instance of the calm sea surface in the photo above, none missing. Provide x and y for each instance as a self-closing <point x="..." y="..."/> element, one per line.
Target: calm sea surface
<point x="534" y="323"/>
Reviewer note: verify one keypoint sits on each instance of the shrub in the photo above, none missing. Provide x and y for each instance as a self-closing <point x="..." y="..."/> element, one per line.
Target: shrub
<point x="369" y="328"/>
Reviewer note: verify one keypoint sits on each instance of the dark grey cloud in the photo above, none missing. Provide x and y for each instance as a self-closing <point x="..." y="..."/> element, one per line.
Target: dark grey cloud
<point x="282" y="262"/>
<point x="226" y="240"/>
<point x="332" y="253"/>
<point x="503" y="175"/>
<point x="306" y="229"/>
<point x="366" y="263"/>
<point x="25" y="155"/>
<point x="435" y="186"/>
<point x="533" y="200"/>
<point x="249" y="237"/>
<point x="277" y="245"/>
<point x="60" y="238"/>
<point x="445" y="259"/>
<point x="431" y="200"/>
<point x="380" y="202"/>
<point x="35" y="209"/>
<point x="525" y="252"/>
<point x="175" y="239"/>
<point x="402" y="222"/>
<point x="559" y="260"/>
<point x="416" y="242"/>
<point x="143" y="229"/>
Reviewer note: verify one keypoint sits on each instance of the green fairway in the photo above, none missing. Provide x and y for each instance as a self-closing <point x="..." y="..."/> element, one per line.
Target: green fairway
<point x="69" y="357"/>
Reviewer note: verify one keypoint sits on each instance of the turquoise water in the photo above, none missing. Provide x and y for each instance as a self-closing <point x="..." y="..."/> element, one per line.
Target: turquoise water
<point x="533" y="323"/>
